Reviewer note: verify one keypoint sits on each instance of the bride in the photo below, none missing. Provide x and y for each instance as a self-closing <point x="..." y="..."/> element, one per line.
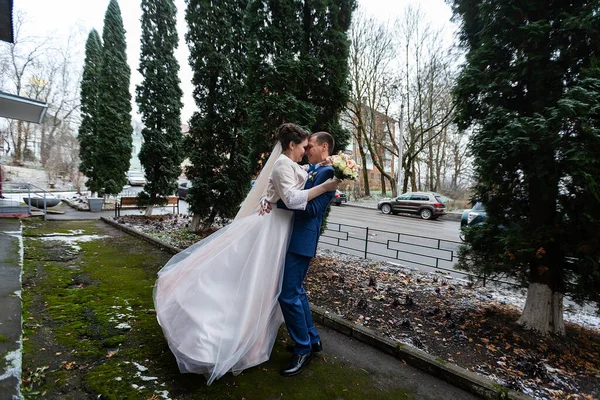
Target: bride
<point x="216" y="301"/>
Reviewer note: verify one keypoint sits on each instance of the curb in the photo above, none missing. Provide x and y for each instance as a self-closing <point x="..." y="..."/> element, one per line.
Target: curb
<point x="156" y="242"/>
<point x="451" y="373"/>
<point x="78" y="207"/>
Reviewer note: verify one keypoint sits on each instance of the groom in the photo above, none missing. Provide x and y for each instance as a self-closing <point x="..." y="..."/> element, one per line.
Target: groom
<point x="301" y="250"/>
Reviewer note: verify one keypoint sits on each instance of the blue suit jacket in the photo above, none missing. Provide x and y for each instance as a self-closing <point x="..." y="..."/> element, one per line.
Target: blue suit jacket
<point x="307" y="223"/>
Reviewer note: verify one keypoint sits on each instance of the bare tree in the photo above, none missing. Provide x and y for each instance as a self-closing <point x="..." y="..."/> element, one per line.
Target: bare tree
<point x="62" y="96"/>
<point x="23" y="57"/>
<point x="41" y="69"/>
<point x="373" y="84"/>
<point x="63" y="158"/>
<point x="427" y="97"/>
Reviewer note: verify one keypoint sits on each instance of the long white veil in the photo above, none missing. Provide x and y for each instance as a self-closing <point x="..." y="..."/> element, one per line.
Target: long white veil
<point x="250" y="204"/>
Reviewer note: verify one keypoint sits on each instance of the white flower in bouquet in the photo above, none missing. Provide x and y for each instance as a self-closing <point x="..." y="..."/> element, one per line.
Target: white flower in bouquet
<point x="343" y="166"/>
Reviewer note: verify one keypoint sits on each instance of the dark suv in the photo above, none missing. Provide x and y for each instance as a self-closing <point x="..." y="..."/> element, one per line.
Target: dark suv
<point x="339" y="198"/>
<point x="426" y="204"/>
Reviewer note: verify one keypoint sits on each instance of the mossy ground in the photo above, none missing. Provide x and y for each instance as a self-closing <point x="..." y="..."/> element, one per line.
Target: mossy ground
<point x="90" y="330"/>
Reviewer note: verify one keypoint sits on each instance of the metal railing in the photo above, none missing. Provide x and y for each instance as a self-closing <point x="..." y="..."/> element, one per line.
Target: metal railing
<point x="420" y="252"/>
<point x="14" y="194"/>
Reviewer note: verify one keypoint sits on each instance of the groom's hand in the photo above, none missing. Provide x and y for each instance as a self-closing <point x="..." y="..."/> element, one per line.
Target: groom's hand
<point x="265" y="207"/>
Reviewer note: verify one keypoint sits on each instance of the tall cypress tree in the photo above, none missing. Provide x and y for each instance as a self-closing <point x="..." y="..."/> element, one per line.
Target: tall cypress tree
<point x="275" y="73"/>
<point x="216" y="38"/>
<point x="159" y="99"/>
<point x="325" y="50"/>
<point x="298" y="71"/>
<point x="90" y="92"/>
<point x="531" y="87"/>
<point x="114" y="122"/>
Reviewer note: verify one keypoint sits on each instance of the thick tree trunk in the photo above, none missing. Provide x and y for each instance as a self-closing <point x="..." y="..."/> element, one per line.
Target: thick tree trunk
<point x="196" y="224"/>
<point x="543" y="311"/>
<point x="406" y="180"/>
<point x="365" y="172"/>
<point x="19" y="144"/>
<point x="148" y="212"/>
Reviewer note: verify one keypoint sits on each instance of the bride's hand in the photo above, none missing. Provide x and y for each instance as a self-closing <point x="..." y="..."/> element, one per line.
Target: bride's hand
<point x="331" y="184"/>
<point x="265" y="207"/>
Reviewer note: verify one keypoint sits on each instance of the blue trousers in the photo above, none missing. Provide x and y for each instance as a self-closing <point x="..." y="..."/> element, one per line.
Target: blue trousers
<point x="294" y="304"/>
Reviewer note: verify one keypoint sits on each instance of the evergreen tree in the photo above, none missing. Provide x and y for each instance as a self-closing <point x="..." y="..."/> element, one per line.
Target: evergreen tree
<point x="298" y="69"/>
<point x="325" y="50"/>
<point x="114" y="122"/>
<point x="531" y="90"/>
<point x="159" y="100"/>
<point x="88" y="130"/>
<point x="275" y="73"/>
<point x="219" y="172"/>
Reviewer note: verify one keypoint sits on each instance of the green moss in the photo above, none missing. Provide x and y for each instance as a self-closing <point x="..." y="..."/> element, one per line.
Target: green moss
<point x="4" y="339"/>
<point x="502" y="391"/>
<point x="441" y="360"/>
<point x="113" y="341"/>
<point x="72" y="309"/>
<point x="3" y="362"/>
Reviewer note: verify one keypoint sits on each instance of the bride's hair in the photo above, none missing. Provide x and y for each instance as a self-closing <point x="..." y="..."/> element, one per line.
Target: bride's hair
<point x="289" y="132"/>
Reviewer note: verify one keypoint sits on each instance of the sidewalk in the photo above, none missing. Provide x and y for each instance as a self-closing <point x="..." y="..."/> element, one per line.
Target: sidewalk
<point x="10" y="308"/>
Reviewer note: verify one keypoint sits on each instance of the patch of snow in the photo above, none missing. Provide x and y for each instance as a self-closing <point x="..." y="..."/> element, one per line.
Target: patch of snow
<point x="140" y="367"/>
<point x="163" y="394"/>
<point x="72" y="232"/>
<point x="118" y="378"/>
<point x="145" y="378"/>
<point x="13" y="365"/>
<point x="72" y="241"/>
<point x="123" y="325"/>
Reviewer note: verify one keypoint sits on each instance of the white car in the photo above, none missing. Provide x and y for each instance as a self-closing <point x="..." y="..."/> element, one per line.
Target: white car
<point x="136" y="178"/>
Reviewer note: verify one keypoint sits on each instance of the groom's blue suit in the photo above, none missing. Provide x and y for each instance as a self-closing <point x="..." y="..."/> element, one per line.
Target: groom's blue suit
<point x="302" y="248"/>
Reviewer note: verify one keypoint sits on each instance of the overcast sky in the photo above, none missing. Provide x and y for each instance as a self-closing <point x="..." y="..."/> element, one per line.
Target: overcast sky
<point x="61" y="17"/>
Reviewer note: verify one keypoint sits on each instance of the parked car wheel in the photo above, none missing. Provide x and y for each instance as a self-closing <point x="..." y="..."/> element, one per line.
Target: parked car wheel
<point x="386" y="209"/>
<point x="426" y="213"/>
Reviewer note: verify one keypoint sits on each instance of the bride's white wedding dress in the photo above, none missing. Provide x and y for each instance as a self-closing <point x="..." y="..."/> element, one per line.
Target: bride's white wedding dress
<point x="217" y="301"/>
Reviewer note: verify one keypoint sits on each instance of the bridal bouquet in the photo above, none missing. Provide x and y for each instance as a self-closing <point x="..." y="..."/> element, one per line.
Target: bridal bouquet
<point x="344" y="167"/>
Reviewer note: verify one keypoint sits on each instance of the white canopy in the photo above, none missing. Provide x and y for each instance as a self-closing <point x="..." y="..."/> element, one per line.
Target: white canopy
<point x="22" y="108"/>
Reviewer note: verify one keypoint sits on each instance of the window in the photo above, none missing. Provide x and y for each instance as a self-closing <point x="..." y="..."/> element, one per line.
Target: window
<point x="478" y="207"/>
<point x="419" y="197"/>
<point x="372" y="175"/>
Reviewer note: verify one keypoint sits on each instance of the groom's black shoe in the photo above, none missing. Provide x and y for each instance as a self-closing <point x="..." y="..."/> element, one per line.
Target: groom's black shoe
<point x="316" y="347"/>
<point x="297" y="363"/>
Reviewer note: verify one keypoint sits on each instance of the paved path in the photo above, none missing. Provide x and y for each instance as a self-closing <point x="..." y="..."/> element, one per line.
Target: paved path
<point x="10" y="308"/>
